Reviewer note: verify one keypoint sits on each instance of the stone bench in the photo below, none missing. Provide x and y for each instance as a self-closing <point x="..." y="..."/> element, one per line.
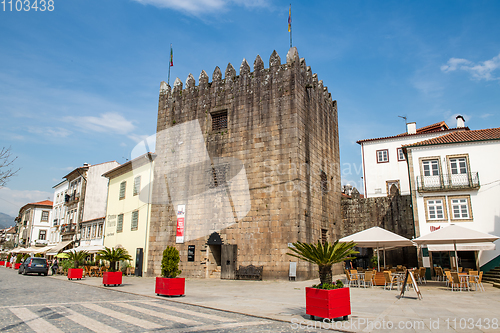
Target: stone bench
<point x="250" y="272"/>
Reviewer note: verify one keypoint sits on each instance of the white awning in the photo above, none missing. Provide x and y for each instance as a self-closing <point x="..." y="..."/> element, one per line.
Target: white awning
<point x="89" y="249"/>
<point x="44" y="249"/>
<point x="56" y="249"/>
<point x="461" y="247"/>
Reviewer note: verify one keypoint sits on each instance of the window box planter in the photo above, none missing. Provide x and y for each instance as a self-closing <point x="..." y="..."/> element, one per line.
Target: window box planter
<point x="328" y="304"/>
<point x="16" y="266"/>
<point x="112" y="278"/>
<point x="169" y="286"/>
<point x="75" y="273"/>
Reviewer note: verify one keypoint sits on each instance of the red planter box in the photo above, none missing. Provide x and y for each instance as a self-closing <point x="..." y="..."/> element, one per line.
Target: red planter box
<point x="328" y="303"/>
<point x="2" y="263"/>
<point x="16" y="266"/>
<point x="75" y="273"/>
<point x="109" y="278"/>
<point x="169" y="287"/>
<point x="8" y="264"/>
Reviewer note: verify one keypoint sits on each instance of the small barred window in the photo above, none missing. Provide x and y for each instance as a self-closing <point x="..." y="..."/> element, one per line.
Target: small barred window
<point x="219" y="121"/>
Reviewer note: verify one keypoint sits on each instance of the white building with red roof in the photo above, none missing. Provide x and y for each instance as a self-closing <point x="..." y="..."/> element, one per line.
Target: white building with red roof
<point x="455" y="178"/>
<point x="383" y="160"/>
<point x="34" y="221"/>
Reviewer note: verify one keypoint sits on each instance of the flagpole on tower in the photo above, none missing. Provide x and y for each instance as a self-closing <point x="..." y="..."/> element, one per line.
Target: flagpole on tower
<point x="290" y="24"/>
<point x="171" y="63"/>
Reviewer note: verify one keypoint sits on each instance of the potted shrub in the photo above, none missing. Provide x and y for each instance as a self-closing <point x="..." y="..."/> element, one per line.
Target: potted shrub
<point x="326" y="300"/>
<point x="2" y="259"/>
<point x="169" y="284"/>
<point x="76" y="258"/>
<point x="7" y="264"/>
<point x="19" y="258"/>
<point x="112" y="277"/>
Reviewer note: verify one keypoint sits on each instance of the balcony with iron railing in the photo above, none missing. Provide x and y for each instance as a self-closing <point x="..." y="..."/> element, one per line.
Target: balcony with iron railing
<point x="448" y="182"/>
<point x="71" y="199"/>
<point x="68" y="229"/>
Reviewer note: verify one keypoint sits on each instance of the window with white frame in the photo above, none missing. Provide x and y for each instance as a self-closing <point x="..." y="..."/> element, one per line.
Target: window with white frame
<point x="460" y="208"/>
<point x="401" y="156"/>
<point x="135" y="220"/>
<point x="45" y="216"/>
<point x="382" y="156"/>
<point x="123" y="185"/>
<point x="458" y="165"/>
<point x="137" y="185"/>
<point x="99" y="230"/>
<point x="431" y="167"/>
<point x="435" y="209"/>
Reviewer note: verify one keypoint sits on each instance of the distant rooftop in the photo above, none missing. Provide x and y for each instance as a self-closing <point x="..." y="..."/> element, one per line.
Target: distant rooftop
<point x="461" y="136"/>
<point x="437" y="127"/>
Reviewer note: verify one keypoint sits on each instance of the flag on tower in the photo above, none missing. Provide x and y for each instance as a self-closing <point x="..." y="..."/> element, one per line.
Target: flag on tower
<point x="171" y="56"/>
<point x="290" y="19"/>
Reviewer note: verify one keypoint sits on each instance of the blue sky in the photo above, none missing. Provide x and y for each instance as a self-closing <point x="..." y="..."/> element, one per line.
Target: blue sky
<point x="80" y="84"/>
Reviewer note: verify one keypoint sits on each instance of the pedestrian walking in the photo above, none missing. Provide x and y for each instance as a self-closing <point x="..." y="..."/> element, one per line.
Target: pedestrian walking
<point x="55" y="266"/>
<point x="12" y="260"/>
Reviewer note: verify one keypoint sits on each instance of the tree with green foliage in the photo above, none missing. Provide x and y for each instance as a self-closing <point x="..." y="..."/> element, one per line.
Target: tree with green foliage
<point x="19" y="257"/>
<point x="170" y="263"/>
<point x="324" y="255"/>
<point x="113" y="256"/>
<point x="77" y="258"/>
<point x="25" y="256"/>
<point x="8" y="257"/>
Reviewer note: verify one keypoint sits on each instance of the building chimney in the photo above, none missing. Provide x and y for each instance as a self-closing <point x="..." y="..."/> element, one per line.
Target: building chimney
<point x="460" y="121"/>
<point x="411" y="128"/>
<point x="86" y="164"/>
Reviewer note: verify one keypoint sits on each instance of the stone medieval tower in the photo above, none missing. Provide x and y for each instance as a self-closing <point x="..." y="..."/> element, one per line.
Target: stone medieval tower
<point x="251" y="161"/>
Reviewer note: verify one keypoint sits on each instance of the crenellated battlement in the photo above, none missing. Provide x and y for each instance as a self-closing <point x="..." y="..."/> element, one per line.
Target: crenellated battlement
<point x="276" y="70"/>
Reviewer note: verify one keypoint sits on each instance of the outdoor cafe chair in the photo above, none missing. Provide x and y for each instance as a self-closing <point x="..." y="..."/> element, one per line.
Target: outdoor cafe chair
<point x="439" y="274"/>
<point x="478" y="281"/>
<point x="349" y="278"/>
<point x="355" y="276"/>
<point x="473" y="276"/>
<point x="368" y="279"/>
<point x="421" y="275"/>
<point x="390" y="280"/>
<point x="458" y="282"/>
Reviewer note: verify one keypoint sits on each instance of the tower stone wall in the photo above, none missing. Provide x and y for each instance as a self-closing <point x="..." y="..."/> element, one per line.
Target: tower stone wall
<point x="270" y="178"/>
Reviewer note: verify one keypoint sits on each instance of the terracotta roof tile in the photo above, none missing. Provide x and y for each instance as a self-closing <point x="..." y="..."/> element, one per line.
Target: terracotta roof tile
<point x="42" y="203"/>
<point x="461" y="136"/>
<point x="437" y="127"/>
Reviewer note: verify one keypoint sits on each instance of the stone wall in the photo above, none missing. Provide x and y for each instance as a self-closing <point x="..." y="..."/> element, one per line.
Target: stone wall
<point x="393" y="213"/>
<point x="270" y="178"/>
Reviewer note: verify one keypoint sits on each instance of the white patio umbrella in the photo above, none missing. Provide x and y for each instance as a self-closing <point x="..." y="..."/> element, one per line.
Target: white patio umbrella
<point x="453" y="234"/>
<point x="377" y="237"/>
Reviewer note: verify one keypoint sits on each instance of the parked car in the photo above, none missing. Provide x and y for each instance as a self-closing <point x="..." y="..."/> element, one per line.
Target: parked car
<point x="34" y="265"/>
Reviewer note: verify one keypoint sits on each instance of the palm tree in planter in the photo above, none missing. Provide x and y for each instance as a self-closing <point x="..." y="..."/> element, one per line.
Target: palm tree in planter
<point x="326" y="300"/>
<point x="169" y="284"/>
<point x="113" y="255"/>
<point x="77" y="258"/>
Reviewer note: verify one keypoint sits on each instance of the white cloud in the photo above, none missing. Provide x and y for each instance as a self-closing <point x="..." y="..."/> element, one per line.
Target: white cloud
<point x="195" y="7"/>
<point x="486" y="115"/>
<point x="49" y="131"/>
<point x="106" y="122"/>
<point x="12" y="200"/>
<point x="480" y="71"/>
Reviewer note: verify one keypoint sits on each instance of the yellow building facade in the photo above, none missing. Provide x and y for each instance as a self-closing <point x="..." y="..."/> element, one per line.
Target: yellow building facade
<point x="128" y="209"/>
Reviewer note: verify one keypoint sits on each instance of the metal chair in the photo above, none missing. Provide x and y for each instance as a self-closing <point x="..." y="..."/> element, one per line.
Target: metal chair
<point x="389" y="280"/>
<point x="368" y="279"/>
